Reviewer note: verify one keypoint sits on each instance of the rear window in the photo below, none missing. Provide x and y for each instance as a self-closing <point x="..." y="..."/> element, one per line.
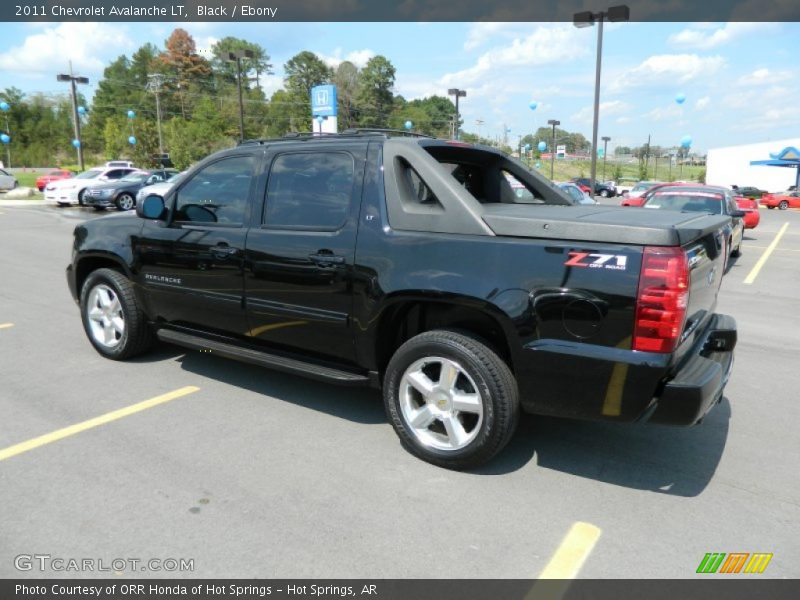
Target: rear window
<point x="686" y="201"/>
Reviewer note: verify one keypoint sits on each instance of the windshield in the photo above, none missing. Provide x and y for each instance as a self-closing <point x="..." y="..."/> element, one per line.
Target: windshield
<point x="90" y="174"/>
<point x="640" y="187"/>
<point x="135" y="177"/>
<point x="686" y="201"/>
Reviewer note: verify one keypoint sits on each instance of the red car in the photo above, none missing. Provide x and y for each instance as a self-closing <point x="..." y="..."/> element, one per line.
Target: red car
<point x="43" y="180"/>
<point x="640" y="200"/>
<point x="782" y="201"/>
<point x="750" y="208"/>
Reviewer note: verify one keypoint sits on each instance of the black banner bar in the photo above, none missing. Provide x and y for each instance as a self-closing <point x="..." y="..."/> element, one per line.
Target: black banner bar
<point x="389" y="10"/>
<point x="730" y="588"/>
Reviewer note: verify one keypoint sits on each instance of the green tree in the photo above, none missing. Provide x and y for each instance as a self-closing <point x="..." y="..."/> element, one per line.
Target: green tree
<point x="226" y="69"/>
<point x="346" y="78"/>
<point x="375" y="96"/>
<point x="302" y="72"/>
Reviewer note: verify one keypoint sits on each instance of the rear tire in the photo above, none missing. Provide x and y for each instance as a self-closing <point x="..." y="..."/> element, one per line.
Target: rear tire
<point x="783" y="205"/>
<point x="604" y="193"/>
<point x="737" y="252"/>
<point x="112" y="319"/>
<point x="452" y="401"/>
<point x="80" y="198"/>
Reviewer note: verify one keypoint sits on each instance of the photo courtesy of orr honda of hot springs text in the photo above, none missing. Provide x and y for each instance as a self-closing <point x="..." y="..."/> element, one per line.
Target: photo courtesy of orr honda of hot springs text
<point x="464" y="286"/>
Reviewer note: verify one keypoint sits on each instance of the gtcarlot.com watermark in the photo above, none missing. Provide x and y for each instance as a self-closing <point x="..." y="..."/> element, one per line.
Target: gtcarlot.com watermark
<point x="60" y="564"/>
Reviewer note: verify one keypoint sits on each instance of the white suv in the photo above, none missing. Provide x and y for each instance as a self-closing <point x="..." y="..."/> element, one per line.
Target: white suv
<point x="67" y="191"/>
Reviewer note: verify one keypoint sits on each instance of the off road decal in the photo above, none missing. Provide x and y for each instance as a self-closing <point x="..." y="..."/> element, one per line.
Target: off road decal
<point x="614" y="262"/>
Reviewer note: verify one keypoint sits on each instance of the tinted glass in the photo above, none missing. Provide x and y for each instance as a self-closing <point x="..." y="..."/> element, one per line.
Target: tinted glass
<point x="90" y="174"/>
<point x="309" y="190"/>
<point x="686" y="201"/>
<point x="218" y="193"/>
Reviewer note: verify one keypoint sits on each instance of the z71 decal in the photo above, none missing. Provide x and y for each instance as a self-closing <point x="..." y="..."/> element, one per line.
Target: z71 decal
<point x="614" y="262"/>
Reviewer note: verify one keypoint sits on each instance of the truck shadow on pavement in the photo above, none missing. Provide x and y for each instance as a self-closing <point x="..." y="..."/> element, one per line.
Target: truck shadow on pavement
<point x="679" y="461"/>
<point x="360" y="405"/>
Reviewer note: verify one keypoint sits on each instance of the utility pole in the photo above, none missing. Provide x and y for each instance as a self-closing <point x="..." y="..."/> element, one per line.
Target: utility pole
<point x="76" y="121"/>
<point x="553" y="122"/>
<point x="154" y="83"/>
<point x="458" y="94"/>
<point x="237" y="58"/>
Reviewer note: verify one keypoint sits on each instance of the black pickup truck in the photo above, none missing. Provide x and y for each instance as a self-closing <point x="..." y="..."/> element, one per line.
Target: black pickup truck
<point x="415" y="266"/>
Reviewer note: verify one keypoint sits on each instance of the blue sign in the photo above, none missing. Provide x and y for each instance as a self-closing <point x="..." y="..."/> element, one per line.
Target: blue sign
<point x="323" y="101"/>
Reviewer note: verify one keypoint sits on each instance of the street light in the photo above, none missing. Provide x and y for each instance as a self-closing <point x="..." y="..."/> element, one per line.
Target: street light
<point x="553" y="122"/>
<point x="605" y="139"/>
<point x="587" y="19"/>
<point x="458" y="94"/>
<point x="237" y="58"/>
<point x="77" y="123"/>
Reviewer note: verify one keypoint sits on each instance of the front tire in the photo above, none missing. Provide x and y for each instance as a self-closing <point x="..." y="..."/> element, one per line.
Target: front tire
<point x="113" y="320"/>
<point x="125" y="202"/>
<point x="452" y="400"/>
<point x="604" y="193"/>
<point x="80" y="198"/>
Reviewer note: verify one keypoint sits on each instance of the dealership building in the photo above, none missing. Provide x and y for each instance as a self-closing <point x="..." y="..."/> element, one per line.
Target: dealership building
<point x="771" y="166"/>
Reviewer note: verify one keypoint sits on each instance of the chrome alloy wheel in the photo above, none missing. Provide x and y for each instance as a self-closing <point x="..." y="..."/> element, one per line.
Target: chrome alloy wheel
<point x="105" y="316"/>
<point x="440" y="403"/>
<point x="126" y="202"/>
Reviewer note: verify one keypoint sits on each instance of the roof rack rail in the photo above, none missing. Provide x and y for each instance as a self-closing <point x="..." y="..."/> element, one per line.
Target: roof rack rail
<point x="362" y="130"/>
<point x="352" y="132"/>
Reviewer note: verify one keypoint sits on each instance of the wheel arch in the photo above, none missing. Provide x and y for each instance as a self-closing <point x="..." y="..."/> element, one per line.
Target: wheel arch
<point x="89" y="263"/>
<point x="407" y="315"/>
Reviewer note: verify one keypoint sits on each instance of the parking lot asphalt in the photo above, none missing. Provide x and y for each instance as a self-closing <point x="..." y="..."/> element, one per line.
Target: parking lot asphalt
<point x="259" y="474"/>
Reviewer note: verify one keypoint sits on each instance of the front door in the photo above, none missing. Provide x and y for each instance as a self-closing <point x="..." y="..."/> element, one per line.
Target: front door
<point x="192" y="266"/>
<point x="298" y="281"/>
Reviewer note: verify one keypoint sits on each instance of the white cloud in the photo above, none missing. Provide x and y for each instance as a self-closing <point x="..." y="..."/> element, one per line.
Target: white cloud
<point x="481" y="32"/>
<point x="702" y="103"/>
<point x="661" y="113"/>
<point x="546" y="45"/>
<point x="668" y="69"/>
<point x="88" y="45"/>
<point x="358" y="57"/>
<point x="607" y="109"/>
<point x="764" y="76"/>
<point x="706" y="37"/>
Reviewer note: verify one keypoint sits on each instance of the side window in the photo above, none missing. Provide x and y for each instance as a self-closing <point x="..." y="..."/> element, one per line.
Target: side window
<point x="218" y="193"/>
<point x="521" y="192"/>
<point x="309" y="191"/>
<point x="114" y="174"/>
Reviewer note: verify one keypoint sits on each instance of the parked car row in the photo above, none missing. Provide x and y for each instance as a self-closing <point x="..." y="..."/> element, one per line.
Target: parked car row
<point x="114" y="184"/>
<point x="7" y="181"/>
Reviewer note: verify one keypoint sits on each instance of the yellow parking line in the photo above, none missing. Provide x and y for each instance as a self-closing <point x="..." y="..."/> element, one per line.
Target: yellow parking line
<point x="762" y="261"/>
<point x="573" y="552"/>
<point x="60" y="434"/>
<point x="6" y="325"/>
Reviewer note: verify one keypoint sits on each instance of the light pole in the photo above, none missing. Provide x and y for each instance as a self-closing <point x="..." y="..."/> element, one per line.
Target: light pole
<point x="553" y="122"/>
<point x="587" y="19"/>
<point x="458" y="94"/>
<point x="76" y="121"/>
<point x="154" y="82"/>
<point x="605" y="139"/>
<point x="237" y="58"/>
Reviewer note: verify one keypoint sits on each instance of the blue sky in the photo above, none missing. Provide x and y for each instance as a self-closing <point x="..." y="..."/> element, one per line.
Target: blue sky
<point x="740" y="79"/>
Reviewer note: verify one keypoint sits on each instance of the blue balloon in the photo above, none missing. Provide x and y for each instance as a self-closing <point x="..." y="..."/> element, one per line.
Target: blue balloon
<point x="132" y="141"/>
<point x="538" y="164"/>
<point x="680" y="98"/>
<point x="4" y="106"/>
<point x="686" y="141"/>
<point x="527" y="147"/>
<point x="76" y="143"/>
<point x="320" y="119"/>
<point x="5" y="138"/>
<point x="131" y="114"/>
<point x="81" y="110"/>
<point x="533" y="105"/>
<point x="408" y="124"/>
<point x="542" y="146"/>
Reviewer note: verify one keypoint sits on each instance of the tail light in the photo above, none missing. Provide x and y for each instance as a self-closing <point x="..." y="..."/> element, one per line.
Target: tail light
<point x="661" y="300"/>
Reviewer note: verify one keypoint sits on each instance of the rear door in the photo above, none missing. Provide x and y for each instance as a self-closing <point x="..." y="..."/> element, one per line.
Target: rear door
<point x="299" y="276"/>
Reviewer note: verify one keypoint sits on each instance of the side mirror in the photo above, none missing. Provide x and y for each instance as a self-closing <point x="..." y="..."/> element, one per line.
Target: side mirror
<point x="738" y="214"/>
<point x="152" y="207"/>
